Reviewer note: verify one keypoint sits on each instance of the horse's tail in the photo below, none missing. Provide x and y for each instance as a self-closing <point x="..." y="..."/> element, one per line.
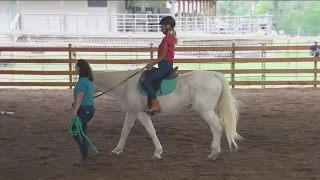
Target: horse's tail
<point x="228" y="111"/>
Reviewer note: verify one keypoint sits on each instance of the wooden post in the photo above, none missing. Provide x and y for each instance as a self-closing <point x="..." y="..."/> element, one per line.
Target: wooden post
<point x="199" y="57"/>
<point x="315" y="68"/>
<point x="74" y="56"/>
<point x="70" y="66"/>
<point x="151" y="51"/>
<point x="263" y="76"/>
<point x="233" y="55"/>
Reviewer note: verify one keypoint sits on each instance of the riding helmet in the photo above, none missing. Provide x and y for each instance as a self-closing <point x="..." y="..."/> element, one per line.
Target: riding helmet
<point x="168" y="20"/>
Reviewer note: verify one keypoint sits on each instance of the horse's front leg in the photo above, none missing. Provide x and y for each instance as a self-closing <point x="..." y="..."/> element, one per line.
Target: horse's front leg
<point x="128" y="123"/>
<point x="147" y="123"/>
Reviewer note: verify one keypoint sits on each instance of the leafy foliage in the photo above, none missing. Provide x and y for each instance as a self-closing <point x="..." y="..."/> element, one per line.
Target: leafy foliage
<point x="288" y="16"/>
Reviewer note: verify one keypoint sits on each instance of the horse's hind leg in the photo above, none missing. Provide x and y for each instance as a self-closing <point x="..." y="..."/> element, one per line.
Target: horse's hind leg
<point x="216" y="129"/>
<point x="128" y="123"/>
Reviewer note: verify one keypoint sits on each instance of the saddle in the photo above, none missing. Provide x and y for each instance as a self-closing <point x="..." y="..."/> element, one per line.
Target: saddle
<point x="157" y="85"/>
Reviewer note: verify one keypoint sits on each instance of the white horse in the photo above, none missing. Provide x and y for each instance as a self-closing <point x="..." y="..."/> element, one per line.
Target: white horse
<point x="207" y="92"/>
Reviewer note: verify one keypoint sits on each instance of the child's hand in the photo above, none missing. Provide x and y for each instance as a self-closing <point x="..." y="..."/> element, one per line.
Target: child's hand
<point x="149" y="65"/>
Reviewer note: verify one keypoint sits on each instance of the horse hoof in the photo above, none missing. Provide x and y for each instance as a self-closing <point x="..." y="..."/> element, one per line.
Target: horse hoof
<point x="235" y="149"/>
<point x="211" y="158"/>
<point x="116" y="152"/>
<point x="157" y="154"/>
<point x="156" y="157"/>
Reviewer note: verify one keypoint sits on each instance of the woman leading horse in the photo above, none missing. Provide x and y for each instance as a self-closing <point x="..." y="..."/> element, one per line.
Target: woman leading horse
<point x="83" y="105"/>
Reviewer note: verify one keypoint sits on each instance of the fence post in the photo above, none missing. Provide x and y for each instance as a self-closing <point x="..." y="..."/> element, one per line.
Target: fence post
<point x="74" y="56"/>
<point x="315" y="68"/>
<point x="233" y="55"/>
<point x="263" y="64"/>
<point x="151" y="51"/>
<point x="70" y="66"/>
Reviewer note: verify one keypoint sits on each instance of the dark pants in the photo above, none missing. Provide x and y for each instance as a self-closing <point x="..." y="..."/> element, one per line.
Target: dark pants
<point x="154" y="75"/>
<point x="85" y="113"/>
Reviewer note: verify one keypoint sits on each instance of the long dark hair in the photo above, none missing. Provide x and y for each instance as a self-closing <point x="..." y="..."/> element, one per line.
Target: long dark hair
<point x="84" y="69"/>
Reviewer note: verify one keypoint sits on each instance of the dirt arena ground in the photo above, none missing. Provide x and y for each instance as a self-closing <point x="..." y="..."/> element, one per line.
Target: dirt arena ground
<point x="281" y="128"/>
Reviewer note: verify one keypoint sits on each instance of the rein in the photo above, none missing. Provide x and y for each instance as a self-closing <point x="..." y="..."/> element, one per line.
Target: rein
<point x="119" y="83"/>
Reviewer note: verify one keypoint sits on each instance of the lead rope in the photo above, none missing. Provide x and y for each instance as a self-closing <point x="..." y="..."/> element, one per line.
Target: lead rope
<point x="75" y="128"/>
<point x="119" y="83"/>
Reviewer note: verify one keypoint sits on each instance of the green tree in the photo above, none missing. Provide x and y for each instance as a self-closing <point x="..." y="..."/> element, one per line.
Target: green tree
<point x="288" y="16"/>
<point x="263" y="8"/>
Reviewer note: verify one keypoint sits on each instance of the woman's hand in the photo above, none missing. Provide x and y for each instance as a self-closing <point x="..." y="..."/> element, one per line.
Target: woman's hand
<point x="76" y="104"/>
<point x="74" y="113"/>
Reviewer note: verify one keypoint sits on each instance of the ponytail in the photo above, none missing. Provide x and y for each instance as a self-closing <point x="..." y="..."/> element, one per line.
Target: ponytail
<point x="174" y="34"/>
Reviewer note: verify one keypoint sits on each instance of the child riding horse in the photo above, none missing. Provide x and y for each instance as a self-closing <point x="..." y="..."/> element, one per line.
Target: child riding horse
<point x="164" y="61"/>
